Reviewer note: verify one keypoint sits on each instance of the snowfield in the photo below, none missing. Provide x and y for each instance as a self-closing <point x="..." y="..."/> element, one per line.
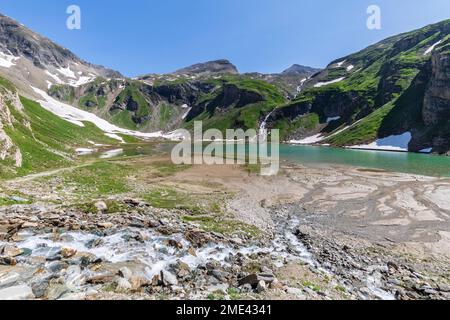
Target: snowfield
<point x="330" y="119"/>
<point x="430" y="49"/>
<point x="67" y="72"/>
<point x="310" y="140"/>
<point x="7" y="60"/>
<point x="77" y="117"/>
<point x="391" y="143"/>
<point x="321" y="84"/>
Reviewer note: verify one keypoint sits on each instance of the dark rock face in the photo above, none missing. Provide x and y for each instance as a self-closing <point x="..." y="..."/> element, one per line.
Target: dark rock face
<point x="437" y="97"/>
<point x="297" y="69"/>
<point x="210" y="67"/>
<point x="185" y="93"/>
<point x="233" y="96"/>
<point x="436" y="105"/>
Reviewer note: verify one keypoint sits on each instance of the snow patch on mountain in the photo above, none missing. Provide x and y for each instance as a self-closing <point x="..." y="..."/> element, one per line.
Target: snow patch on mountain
<point x="430" y="49"/>
<point x="309" y="140"/>
<point x="7" y="60"/>
<point x="78" y="116"/>
<point x="391" y="143"/>
<point x="330" y="119"/>
<point x="67" y="72"/>
<point x="321" y="84"/>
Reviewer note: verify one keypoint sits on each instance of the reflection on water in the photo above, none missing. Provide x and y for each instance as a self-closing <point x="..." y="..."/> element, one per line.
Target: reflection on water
<point x="422" y="164"/>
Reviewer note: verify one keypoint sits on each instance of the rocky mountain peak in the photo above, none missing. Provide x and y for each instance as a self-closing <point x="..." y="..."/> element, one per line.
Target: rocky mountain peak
<point x="297" y="69"/>
<point x="222" y="66"/>
<point x="27" y="58"/>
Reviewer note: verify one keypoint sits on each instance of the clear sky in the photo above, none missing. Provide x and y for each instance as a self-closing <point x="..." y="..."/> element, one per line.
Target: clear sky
<point x="146" y="36"/>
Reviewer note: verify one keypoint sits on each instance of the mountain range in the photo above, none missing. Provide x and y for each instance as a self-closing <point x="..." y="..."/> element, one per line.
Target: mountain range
<point x="52" y="102"/>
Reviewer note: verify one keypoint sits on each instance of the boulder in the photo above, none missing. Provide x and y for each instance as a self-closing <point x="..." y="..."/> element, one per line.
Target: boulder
<point x="168" y="279"/>
<point x="125" y="273"/>
<point x="261" y="287"/>
<point x="101" y="207"/>
<point x="7" y="261"/>
<point x="254" y="279"/>
<point x="123" y="285"/>
<point x="22" y="292"/>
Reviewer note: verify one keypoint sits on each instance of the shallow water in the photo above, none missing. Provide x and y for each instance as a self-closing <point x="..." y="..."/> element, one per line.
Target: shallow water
<point x="421" y="164"/>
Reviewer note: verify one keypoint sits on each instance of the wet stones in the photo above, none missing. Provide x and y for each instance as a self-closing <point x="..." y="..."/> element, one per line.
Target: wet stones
<point x="101" y="279"/>
<point x="197" y="238"/>
<point x="10" y="251"/>
<point x="22" y="292"/>
<point x="8" y="261"/>
<point x="175" y="244"/>
<point x="67" y="253"/>
<point x="168" y="279"/>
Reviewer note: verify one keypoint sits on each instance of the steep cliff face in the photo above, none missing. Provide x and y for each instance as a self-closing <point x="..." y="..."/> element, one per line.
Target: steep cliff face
<point x="436" y="106"/>
<point x="9" y="152"/>
<point x="437" y="97"/>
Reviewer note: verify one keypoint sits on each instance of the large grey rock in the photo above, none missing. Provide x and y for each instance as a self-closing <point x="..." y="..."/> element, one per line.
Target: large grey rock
<point x="22" y="292"/>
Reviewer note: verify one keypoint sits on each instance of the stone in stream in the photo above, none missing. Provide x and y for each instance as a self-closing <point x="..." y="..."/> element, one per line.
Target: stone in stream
<point x="168" y="279"/>
<point x="8" y="279"/>
<point x="123" y="285"/>
<point x="197" y="238"/>
<point x="39" y="287"/>
<point x="30" y="225"/>
<point x="22" y="292"/>
<point x="175" y="244"/>
<point x="125" y="273"/>
<point x="7" y="261"/>
<point x="68" y="252"/>
<point x="55" y="291"/>
<point x="53" y="254"/>
<point x="11" y="251"/>
<point x="101" y="279"/>
<point x="138" y="282"/>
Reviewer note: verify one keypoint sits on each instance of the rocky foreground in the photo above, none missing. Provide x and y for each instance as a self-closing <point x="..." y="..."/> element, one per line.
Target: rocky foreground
<point x="52" y="251"/>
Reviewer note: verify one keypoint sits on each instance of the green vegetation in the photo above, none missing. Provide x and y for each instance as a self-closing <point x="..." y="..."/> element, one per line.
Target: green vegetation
<point x="246" y="117"/>
<point x="223" y="226"/>
<point x="114" y="206"/>
<point x="173" y="198"/>
<point x="12" y="201"/>
<point x="48" y="141"/>
<point x="98" y="179"/>
<point x="132" y="96"/>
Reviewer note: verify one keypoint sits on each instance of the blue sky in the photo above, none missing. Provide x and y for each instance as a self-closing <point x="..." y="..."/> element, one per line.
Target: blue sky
<point x="144" y="36"/>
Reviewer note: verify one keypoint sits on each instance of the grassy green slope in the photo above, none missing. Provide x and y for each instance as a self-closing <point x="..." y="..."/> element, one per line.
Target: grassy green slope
<point x="45" y="140"/>
<point x="380" y="91"/>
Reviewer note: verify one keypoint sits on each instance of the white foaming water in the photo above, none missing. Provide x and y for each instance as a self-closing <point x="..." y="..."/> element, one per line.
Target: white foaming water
<point x="154" y="253"/>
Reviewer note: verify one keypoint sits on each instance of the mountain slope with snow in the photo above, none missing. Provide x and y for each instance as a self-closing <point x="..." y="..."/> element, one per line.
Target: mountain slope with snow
<point x="399" y="85"/>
